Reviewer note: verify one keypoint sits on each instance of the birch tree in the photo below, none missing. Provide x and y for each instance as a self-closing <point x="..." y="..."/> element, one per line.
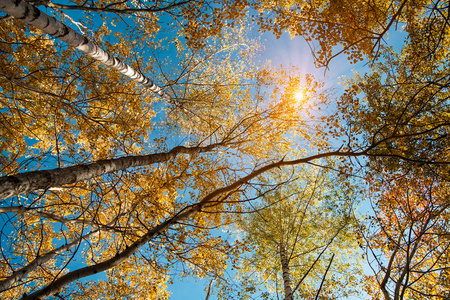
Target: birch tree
<point x="203" y="155"/>
<point x="292" y="234"/>
<point x="33" y="16"/>
<point x="42" y="180"/>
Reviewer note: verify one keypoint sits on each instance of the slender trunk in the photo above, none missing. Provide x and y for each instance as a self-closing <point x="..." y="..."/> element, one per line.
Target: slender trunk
<point x="42" y="180"/>
<point x="323" y="278"/>
<point x="115" y="10"/>
<point x="208" y="293"/>
<point x="188" y="212"/>
<point x="387" y="276"/>
<point x="34" y="17"/>
<point x="288" y="293"/>
<point x="40" y="260"/>
<point x="413" y="239"/>
<point x="57" y="284"/>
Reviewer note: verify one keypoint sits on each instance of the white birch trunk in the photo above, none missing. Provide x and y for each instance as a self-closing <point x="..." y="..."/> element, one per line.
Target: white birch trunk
<point x="57" y="284"/>
<point x="42" y="180"/>
<point x="188" y="212"/>
<point x="34" y="17"/>
<point x="288" y="293"/>
<point x="40" y="260"/>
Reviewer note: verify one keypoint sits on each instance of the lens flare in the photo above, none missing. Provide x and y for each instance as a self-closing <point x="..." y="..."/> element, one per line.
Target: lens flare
<point x="300" y="95"/>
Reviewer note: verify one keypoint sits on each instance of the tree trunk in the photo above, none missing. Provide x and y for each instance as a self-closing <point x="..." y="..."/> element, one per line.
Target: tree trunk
<point x="288" y="293"/>
<point x="57" y="284"/>
<point x="40" y="260"/>
<point x="42" y="180"/>
<point x="34" y="17"/>
<point x="183" y="214"/>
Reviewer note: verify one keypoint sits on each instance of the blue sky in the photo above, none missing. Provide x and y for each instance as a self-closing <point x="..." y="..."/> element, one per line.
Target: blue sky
<point x="283" y="51"/>
<point x="294" y="51"/>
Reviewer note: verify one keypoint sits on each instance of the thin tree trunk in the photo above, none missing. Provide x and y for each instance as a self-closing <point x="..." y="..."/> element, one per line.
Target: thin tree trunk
<point x="34" y="17"/>
<point x="288" y="292"/>
<point x="40" y="260"/>
<point x="42" y="180"/>
<point x="387" y="276"/>
<point x="188" y="212"/>
<point x="208" y="293"/>
<point x="323" y="278"/>
<point x="115" y="10"/>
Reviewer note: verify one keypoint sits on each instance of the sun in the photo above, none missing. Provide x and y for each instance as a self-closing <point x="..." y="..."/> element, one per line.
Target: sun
<point x="299" y="95"/>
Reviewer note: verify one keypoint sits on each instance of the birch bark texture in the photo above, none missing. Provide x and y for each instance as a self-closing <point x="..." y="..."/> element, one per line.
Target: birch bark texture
<point x="31" y="15"/>
<point x="42" y="180"/>
<point x="288" y="292"/>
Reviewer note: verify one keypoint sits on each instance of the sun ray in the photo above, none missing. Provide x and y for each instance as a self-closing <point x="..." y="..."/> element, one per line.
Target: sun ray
<point x="299" y="95"/>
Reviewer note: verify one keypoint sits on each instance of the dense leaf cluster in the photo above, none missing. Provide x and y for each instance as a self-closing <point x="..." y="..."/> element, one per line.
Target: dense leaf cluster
<point x="246" y="173"/>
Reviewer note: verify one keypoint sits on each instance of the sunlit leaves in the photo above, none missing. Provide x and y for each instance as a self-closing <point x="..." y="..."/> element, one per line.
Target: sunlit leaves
<point x="308" y="218"/>
<point x="408" y="238"/>
<point x="59" y="108"/>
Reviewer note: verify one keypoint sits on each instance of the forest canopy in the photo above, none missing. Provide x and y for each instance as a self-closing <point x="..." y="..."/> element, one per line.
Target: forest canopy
<point x="145" y="142"/>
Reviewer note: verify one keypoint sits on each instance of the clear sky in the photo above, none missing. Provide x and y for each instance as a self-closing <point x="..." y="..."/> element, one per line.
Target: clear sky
<point x="283" y="51"/>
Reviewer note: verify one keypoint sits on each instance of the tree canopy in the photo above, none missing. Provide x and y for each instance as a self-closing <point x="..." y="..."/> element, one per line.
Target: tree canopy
<point x="114" y="186"/>
<point x="294" y="232"/>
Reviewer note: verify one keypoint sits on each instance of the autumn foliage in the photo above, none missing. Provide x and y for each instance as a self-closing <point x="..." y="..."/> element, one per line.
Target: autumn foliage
<point x="110" y="191"/>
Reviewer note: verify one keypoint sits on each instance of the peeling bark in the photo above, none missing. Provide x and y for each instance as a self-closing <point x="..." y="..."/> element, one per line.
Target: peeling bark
<point x="42" y="180"/>
<point x="31" y="15"/>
